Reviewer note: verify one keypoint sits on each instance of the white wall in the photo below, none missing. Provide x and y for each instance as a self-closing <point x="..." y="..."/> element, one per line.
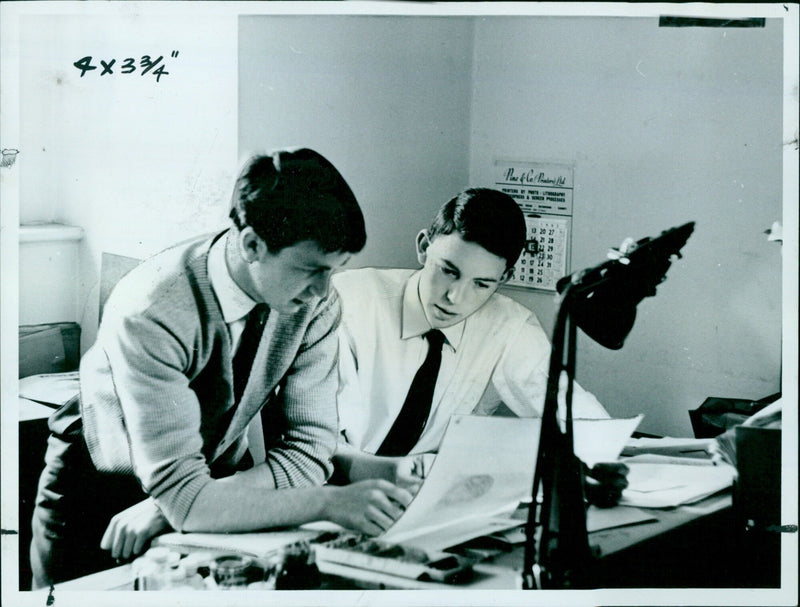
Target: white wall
<point x="48" y="264"/>
<point x="385" y="99"/>
<point x="138" y="164"/>
<point x="664" y="126"/>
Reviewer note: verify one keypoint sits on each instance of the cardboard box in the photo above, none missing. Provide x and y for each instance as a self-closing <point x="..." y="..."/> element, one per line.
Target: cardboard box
<point x="49" y="348"/>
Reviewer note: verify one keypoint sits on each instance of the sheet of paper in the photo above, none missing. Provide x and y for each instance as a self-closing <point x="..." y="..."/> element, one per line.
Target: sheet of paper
<point x="602" y="440"/>
<point x="251" y="544"/>
<point x="52" y="389"/>
<point x="669" y="485"/>
<point x="598" y="519"/>
<point x="657" y="458"/>
<point x="485" y="468"/>
<point x="452" y="535"/>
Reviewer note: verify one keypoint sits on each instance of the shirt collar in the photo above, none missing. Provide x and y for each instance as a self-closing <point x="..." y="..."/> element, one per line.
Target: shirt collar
<point x="234" y="303"/>
<point x="414" y="323"/>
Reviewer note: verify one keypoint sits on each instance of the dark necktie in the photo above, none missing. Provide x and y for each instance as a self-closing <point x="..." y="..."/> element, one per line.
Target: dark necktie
<point x="407" y="428"/>
<point x="251" y="336"/>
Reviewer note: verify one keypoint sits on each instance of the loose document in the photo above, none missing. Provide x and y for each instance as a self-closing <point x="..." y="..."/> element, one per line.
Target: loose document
<point x="484" y="469"/>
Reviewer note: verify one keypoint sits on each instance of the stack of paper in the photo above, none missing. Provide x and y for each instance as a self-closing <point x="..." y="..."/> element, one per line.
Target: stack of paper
<point x="669" y="485"/>
<point x="702" y="448"/>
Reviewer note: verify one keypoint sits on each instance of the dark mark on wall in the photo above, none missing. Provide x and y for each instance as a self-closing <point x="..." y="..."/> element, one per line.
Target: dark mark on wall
<point x="705" y="22"/>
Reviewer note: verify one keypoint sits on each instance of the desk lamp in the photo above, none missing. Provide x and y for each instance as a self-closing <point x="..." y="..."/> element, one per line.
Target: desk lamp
<point x="601" y="301"/>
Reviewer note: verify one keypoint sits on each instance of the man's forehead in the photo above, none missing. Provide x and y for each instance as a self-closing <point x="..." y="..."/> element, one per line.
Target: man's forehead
<point x="462" y="254"/>
<point x="309" y="253"/>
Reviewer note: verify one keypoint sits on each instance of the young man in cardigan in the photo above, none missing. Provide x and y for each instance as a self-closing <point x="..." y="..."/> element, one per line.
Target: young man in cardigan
<point x="193" y="344"/>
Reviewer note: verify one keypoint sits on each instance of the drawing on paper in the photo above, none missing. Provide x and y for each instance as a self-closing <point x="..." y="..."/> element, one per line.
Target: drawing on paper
<point x="467" y="489"/>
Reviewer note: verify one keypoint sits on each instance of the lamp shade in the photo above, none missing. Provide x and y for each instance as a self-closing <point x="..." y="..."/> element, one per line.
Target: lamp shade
<point x="603" y="299"/>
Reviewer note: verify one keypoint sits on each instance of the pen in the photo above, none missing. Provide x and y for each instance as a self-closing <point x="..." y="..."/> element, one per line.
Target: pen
<point x="418" y="468"/>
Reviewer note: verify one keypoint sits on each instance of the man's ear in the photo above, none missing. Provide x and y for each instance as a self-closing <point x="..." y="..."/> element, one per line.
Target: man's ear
<point x="423" y="242"/>
<point x="251" y="246"/>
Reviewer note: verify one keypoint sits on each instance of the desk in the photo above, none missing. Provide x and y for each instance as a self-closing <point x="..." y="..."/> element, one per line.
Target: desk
<point x="666" y="553"/>
<point x="672" y="552"/>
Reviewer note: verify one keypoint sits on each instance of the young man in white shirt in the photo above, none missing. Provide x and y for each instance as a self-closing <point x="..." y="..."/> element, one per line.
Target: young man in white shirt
<point x="493" y="350"/>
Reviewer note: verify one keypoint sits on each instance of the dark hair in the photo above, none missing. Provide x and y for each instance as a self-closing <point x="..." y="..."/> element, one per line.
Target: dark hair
<point x="296" y="195"/>
<point x="486" y="217"/>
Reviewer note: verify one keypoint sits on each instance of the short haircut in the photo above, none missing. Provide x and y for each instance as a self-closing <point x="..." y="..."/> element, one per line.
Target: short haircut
<point x="295" y="195"/>
<point x="486" y="217"/>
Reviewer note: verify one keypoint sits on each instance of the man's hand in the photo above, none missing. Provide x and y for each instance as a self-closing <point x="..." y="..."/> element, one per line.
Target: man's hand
<point x="409" y="472"/>
<point x="369" y="506"/>
<point x="605" y="482"/>
<point x="130" y="531"/>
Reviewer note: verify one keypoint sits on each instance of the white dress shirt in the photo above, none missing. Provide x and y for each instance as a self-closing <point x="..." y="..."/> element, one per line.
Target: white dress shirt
<point x="234" y="303"/>
<point x="499" y="354"/>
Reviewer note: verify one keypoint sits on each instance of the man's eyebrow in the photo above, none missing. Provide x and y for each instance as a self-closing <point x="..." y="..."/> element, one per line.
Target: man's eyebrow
<point x="313" y="266"/>
<point x="321" y="266"/>
<point x="451" y="265"/>
<point x="455" y="268"/>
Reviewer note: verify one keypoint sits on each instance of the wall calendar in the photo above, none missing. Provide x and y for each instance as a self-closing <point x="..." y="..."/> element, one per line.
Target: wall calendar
<point x="544" y="193"/>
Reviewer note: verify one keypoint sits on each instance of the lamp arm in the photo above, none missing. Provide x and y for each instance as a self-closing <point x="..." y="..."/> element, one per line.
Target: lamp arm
<point x="564" y="545"/>
<point x="547" y="434"/>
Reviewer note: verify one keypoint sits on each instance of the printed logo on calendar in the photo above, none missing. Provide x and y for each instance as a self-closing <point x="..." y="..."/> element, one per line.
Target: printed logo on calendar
<point x="544" y="193"/>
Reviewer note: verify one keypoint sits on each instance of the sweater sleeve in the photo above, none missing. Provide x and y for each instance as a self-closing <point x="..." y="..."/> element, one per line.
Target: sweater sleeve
<point x="147" y="364"/>
<point x="308" y="397"/>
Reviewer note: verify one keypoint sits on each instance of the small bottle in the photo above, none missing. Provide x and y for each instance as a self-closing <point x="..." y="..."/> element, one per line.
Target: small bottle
<point x="145" y="573"/>
<point x="198" y="560"/>
<point x="192" y="579"/>
<point x="198" y="568"/>
<point x="174" y="578"/>
<point x="180" y="578"/>
<point x="232" y="572"/>
<point x="153" y="569"/>
<point x="299" y="570"/>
